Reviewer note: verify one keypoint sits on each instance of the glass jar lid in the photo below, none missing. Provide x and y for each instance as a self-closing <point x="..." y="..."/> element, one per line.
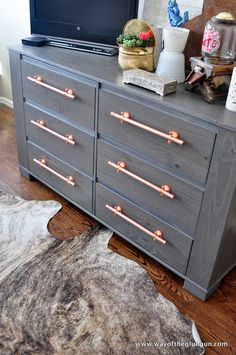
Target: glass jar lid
<point x="225" y="17"/>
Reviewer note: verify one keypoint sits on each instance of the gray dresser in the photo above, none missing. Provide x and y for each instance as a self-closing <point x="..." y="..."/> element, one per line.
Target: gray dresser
<point x="159" y="171"/>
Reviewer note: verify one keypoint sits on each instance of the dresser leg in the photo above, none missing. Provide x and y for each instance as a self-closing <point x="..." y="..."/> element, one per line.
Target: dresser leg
<point x="25" y="173"/>
<point x="198" y="291"/>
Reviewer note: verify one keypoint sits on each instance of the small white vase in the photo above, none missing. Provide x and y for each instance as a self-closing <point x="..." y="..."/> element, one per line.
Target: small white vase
<point x="171" y="60"/>
<point x="171" y="65"/>
<point x="175" y="38"/>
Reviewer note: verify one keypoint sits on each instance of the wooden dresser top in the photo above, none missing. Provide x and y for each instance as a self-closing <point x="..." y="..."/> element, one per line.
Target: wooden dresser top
<point x="106" y="71"/>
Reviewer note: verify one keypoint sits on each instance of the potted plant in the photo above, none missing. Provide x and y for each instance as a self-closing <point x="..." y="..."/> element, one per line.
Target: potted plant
<point x="136" y="50"/>
<point x="143" y="39"/>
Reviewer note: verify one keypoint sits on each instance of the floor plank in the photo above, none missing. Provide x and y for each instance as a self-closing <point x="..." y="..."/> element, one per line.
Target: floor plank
<point x="215" y="319"/>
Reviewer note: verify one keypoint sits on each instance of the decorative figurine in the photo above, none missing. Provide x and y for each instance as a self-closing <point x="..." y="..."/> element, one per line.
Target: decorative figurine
<point x="174" y="16"/>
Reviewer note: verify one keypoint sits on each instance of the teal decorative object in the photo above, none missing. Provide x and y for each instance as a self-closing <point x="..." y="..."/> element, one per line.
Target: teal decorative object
<point x="174" y="14"/>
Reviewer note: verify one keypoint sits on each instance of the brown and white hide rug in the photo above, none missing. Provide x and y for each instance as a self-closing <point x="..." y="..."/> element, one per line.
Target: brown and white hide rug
<point x="77" y="297"/>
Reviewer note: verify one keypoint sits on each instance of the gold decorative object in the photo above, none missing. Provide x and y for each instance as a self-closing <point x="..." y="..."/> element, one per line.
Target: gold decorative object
<point x="136" y="26"/>
<point x="136" y="57"/>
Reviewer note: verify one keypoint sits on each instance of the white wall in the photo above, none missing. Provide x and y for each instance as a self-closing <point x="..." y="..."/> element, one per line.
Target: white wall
<point x="155" y="11"/>
<point x="14" y="25"/>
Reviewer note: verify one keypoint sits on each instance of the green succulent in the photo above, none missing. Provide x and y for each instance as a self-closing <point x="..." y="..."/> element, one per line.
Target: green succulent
<point x="130" y="41"/>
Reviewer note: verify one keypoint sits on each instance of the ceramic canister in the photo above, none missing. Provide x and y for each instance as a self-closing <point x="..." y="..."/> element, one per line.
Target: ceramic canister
<point x="171" y="61"/>
<point x="231" y="98"/>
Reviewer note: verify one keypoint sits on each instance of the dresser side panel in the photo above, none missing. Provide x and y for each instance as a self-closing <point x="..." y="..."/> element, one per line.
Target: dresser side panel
<point x="15" y="65"/>
<point x="226" y="258"/>
<point x="213" y="242"/>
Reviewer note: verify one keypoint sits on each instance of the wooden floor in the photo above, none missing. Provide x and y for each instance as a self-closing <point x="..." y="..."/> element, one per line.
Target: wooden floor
<point x="215" y="319"/>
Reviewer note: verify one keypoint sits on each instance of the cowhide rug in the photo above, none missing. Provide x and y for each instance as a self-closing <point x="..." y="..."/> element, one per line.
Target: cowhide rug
<point x="77" y="297"/>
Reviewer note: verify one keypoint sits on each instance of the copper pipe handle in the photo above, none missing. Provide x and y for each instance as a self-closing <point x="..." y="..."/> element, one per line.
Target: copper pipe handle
<point x="68" y="179"/>
<point x="157" y="235"/>
<point x="164" y="190"/>
<point x="40" y="124"/>
<point x="172" y="136"/>
<point x="39" y="81"/>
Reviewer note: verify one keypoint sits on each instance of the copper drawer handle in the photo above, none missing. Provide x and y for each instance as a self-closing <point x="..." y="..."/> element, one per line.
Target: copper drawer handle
<point x="157" y="235"/>
<point x="163" y="190"/>
<point x="40" y="124"/>
<point x="39" y="81"/>
<point x="172" y="136"/>
<point x="68" y="179"/>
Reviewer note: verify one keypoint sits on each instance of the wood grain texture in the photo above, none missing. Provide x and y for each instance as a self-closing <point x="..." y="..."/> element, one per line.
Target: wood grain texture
<point x="216" y="229"/>
<point x="182" y="210"/>
<point x="78" y="155"/>
<point x="177" y="248"/>
<point x="81" y="193"/>
<point x="81" y="106"/>
<point x="192" y="159"/>
<point x="215" y="318"/>
<point x="107" y="71"/>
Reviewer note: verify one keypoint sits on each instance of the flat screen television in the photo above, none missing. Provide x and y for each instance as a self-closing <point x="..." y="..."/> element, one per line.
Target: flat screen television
<point x="86" y="21"/>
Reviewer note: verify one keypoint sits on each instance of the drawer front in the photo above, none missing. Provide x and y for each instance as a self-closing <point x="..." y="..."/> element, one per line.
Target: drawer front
<point x="181" y="210"/>
<point x="80" y="193"/>
<point x="80" y="110"/>
<point x="78" y="153"/>
<point x="191" y="159"/>
<point x="177" y="248"/>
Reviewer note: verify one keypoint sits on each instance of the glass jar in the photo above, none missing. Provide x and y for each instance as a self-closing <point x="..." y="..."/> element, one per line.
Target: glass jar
<point x="219" y="39"/>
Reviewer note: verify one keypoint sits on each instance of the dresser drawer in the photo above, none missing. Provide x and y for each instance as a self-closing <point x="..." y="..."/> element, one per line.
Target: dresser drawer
<point x="191" y="159"/>
<point x="142" y="183"/>
<point x="177" y="248"/>
<point x="79" y="109"/>
<point x="60" y="176"/>
<point x="77" y="151"/>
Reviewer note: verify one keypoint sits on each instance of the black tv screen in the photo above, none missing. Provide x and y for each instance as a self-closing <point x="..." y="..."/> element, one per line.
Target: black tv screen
<point x="97" y="21"/>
